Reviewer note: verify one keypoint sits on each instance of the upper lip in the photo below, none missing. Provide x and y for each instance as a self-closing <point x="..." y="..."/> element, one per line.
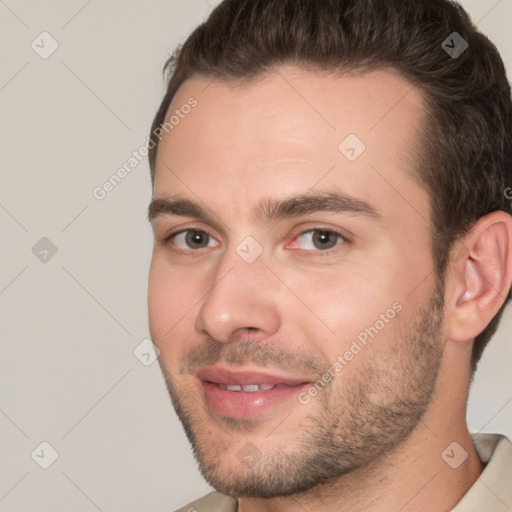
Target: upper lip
<point x="230" y="376"/>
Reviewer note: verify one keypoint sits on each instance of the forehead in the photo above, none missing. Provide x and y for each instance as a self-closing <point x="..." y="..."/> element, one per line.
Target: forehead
<point x="290" y="130"/>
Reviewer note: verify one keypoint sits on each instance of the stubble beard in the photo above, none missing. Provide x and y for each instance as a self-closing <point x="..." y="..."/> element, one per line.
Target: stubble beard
<point x="371" y="415"/>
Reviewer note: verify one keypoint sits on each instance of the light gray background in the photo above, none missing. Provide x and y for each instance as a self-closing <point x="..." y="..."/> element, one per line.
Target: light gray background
<point x="68" y="374"/>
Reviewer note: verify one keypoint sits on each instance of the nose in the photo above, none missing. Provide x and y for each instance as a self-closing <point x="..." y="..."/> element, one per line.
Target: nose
<point x="241" y="300"/>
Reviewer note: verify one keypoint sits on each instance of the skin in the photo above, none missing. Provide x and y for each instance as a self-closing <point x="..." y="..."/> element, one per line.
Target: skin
<point x="296" y="308"/>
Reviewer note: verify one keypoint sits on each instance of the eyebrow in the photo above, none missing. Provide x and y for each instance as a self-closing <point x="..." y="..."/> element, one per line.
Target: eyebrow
<point x="270" y="210"/>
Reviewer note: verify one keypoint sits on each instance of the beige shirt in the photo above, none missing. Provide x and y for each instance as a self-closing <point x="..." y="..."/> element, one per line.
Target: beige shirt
<point x="492" y="492"/>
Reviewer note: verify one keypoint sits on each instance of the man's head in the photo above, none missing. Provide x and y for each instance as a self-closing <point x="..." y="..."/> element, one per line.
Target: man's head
<point x="323" y="215"/>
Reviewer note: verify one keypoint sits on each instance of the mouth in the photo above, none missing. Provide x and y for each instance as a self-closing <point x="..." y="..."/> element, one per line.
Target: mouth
<point x="249" y="388"/>
<point x="243" y="393"/>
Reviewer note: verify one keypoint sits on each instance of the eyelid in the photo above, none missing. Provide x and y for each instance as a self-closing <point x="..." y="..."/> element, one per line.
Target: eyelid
<point x="345" y="234"/>
<point x="296" y="233"/>
<point x="341" y="244"/>
<point x="181" y="228"/>
<point x="167" y="239"/>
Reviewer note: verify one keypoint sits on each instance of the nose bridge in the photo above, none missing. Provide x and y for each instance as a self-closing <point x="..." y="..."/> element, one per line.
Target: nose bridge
<point x="238" y="297"/>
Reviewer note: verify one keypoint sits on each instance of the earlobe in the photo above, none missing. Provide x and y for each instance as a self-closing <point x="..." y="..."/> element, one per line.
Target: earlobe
<point x="480" y="277"/>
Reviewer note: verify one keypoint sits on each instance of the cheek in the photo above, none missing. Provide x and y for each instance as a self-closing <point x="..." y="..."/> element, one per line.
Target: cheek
<point x="345" y="300"/>
<point x="171" y="302"/>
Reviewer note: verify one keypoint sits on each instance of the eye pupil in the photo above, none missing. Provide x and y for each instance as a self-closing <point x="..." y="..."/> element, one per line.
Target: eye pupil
<point x="196" y="239"/>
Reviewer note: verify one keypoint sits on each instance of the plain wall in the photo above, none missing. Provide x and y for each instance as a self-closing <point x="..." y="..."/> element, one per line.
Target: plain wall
<point x="70" y="324"/>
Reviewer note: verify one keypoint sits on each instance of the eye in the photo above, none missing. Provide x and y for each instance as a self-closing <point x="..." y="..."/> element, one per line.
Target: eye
<point x="192" y="239"/>
<point x="318" y="239"/>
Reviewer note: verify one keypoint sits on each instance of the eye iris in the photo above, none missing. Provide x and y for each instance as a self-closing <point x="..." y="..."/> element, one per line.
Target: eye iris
<point x="196" y="239"/>
<point x="324" y="239"/>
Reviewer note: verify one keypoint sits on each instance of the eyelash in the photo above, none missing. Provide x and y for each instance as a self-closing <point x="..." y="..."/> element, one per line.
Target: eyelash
<point x="342" y="240"/>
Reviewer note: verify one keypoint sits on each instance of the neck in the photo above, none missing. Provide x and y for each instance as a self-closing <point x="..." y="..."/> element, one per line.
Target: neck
<point x="414" y="476"/>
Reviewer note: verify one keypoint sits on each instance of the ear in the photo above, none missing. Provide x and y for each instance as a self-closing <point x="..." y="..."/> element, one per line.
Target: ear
<point x="479" y="277"/>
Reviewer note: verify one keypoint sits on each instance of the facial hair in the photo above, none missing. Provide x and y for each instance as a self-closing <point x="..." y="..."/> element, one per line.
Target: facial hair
<point x="372" y="412"/>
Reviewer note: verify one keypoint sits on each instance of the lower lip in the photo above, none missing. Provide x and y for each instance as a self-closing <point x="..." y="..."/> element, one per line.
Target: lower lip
<point x="246" y="404"/>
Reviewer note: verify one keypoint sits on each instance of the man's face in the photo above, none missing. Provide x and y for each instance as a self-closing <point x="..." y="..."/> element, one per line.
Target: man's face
<point x="292" y="288"/>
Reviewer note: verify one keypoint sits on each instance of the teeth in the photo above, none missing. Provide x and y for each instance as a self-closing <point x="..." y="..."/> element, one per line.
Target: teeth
<point x="250" y="388"/>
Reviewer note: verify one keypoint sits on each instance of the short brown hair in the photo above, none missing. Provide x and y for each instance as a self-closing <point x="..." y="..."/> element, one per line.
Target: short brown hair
<point x="465" y="153"/>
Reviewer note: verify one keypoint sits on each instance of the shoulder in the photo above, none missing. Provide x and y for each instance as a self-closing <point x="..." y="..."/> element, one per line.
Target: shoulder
<point x="213" y="502"/>
<point x="491" y="491"/>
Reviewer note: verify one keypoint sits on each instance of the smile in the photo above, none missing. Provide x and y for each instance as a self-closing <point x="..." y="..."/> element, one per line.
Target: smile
<point x="246" y="393"/>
